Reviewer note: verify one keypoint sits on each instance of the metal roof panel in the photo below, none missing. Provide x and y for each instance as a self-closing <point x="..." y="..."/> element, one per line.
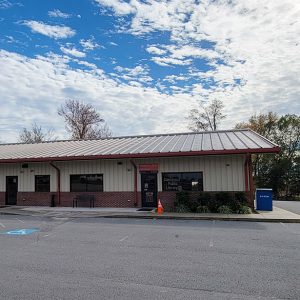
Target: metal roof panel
<point x="243" y="140"/>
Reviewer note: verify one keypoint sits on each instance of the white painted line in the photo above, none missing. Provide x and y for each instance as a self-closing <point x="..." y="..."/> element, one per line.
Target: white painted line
<point x="2" y="225"/>
<point x="289" y="229"/>
<point x="20" y="220"/>
<point x="211" y="241"/>
<point x="124" y="238"/>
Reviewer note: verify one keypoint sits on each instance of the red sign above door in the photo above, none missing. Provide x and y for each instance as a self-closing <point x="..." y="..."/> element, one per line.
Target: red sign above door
<point x="148" y="168"/>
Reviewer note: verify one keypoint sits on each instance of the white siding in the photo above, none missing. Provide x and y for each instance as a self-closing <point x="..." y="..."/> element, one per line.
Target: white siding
<point x="116" y="177"/>
<point x="220" y="173"/>
<point x="26" y="176"/>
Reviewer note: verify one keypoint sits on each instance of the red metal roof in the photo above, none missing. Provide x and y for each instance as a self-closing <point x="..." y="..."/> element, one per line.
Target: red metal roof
<point x="160" y="145"/>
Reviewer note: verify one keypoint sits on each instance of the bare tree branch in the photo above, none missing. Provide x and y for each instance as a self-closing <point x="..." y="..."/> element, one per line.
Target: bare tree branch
<point x="36" y="135"/>
<point x="83" y="121"/>
<point x="207" y="117"/>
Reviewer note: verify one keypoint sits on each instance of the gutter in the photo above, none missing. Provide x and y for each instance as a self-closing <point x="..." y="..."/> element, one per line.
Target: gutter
<point x="135" y="183"/>
<point x="58" y="181"/>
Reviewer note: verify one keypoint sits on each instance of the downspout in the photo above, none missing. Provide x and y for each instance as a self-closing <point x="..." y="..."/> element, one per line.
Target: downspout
<point x="58" y="181"/>
<point x="135" y="183"/>
<point x="251" y="184"/>
<point x="246" y="172"/>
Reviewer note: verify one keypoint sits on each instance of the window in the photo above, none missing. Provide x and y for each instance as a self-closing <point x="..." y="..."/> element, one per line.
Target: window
<point x="42" y="183"/>
<point x="183" y="181"/>
<point x="86" y="183"/>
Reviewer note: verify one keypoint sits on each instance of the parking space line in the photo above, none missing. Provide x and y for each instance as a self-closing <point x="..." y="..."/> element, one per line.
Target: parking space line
<point x="124" y="238"/>
<point x="288" y="228"/>
<point x="20" y="220"/>
<point x="2" y="225"/>
<point x="211" y="240"/>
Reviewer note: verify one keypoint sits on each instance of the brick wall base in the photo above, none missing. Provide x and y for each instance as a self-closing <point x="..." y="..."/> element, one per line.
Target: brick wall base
<point x="103" y="199"/>
<point x="34" y="198"/>
<point x="2" y="198"/>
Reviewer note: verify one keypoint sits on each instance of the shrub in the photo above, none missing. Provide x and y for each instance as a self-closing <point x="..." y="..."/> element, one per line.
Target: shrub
<point x="241" y="197"/>
<point x="202" y="209"/>
<point x="235" y="205"/>
<point x="181" y="208"/>
<point x="193" y="205"/>
<point x="224" y="198"/>
<point x="204" y="199"/>
<point x="244" y="210"/>
<point x="224" y="209"/>
<point x="182" y="198"/>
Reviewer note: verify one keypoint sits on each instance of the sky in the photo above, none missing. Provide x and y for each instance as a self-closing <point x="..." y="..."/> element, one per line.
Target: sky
<point x="144" y="64"/>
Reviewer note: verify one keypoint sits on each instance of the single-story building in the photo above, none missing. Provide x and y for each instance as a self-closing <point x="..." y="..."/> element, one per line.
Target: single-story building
<point x="132" y="171"/>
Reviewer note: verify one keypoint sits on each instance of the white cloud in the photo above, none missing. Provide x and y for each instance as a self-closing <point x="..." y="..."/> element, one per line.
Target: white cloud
<point x="56" y="13"/>
<point x="155" y="50"/>
<point x="4" y="4"/>
<point x="167" y="61"/>
<point x="119" y="7"/>
<point x="138" y="73"/>
<point x="174" y="78"/>
<point x="72" y="51"/>
<point x="89" y="44"/>
<point x="87" y="64"/>
<point x="251" y="48"/>
<point x="53" y="31"/>
<point x="34" y="88"/>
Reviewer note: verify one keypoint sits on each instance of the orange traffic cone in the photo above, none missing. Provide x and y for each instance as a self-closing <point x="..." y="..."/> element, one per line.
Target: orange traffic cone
<point x="160" y="209"/>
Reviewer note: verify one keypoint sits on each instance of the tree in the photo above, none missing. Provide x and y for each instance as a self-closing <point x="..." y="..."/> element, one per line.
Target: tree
<point x="207" y="117"/>
<point x="263" y="124"/>
<point x="281" y="172"/>
<point x="35" y="135"/>
<point x="83" y="121"/>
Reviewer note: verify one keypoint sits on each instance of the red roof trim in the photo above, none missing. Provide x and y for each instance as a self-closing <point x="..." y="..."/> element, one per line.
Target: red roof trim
<point x="143" y="155"/>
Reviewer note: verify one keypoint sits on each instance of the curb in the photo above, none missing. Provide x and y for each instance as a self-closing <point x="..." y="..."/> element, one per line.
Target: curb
<point x="204" y="218"/>
<point x="162" y="217"/>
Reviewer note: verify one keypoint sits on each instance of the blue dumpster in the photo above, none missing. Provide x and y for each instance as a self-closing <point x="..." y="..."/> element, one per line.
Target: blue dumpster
<point x="264" y="198"/>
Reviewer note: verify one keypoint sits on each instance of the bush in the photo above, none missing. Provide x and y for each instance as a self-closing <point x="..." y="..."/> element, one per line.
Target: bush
<point x="241" y="197"/>
<point x="182" y="198"/>
<point x="221" y="202"/>
<point x="202" y="209"/>
<point x="244" y="210"/>
<point x="204" y="199"/>
<point x="181" y="208"/>
<point x="224" y="209"/>
<point x="224" y="198"/>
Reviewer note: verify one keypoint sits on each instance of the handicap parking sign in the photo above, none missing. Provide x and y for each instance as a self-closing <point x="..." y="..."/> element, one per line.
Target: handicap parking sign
<point x="21" y="231"/>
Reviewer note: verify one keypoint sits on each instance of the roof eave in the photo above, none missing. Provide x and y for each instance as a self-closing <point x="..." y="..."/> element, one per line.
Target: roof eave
<point x="144" y="155"/>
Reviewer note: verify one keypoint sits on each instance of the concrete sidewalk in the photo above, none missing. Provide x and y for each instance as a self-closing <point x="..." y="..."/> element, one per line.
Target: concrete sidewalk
<point x="277" y="215"/>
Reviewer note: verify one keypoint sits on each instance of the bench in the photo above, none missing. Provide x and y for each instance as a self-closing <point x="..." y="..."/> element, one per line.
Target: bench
<point x="84" y="199"/>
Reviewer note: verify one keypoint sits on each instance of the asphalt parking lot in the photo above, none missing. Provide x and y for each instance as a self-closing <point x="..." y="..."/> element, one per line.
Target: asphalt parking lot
<point x="292" y="206"/>
<point x="101" y="258"/>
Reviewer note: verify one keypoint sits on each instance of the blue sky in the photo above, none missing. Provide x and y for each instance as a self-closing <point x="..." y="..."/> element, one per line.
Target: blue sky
<point x="145" y="64"/>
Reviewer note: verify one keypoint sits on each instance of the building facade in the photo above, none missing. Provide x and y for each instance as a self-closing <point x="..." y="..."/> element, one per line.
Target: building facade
<point x="129" y="171"/>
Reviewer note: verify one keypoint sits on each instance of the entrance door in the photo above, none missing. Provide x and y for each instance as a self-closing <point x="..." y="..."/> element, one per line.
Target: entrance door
<point x="149" y="189"/>
<point x="11" y="190"/>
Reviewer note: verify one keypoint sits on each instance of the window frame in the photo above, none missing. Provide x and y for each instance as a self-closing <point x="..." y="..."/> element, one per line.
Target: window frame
<point x="181" y="177"/>
<point x="87" y="184"/>
<point x="36" y="184"/>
